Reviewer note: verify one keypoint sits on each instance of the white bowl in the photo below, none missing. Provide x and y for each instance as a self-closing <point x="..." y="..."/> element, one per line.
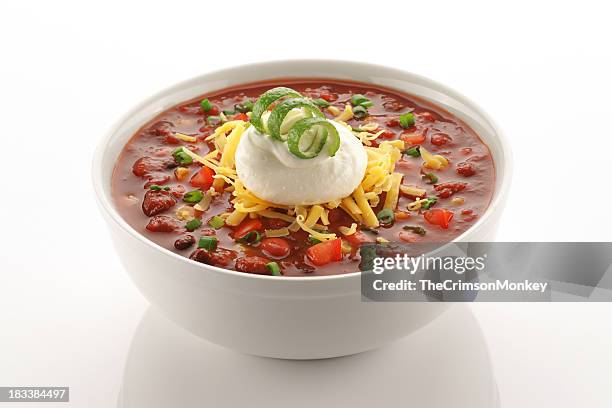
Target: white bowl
<point x="295" y="318"/>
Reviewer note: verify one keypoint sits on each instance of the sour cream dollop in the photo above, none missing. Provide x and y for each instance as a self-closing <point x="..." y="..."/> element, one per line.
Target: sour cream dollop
<point x="272" y="173"/>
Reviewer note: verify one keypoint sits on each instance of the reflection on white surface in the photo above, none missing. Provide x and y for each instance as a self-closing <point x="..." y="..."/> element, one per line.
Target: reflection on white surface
<point x="444" y="364"/>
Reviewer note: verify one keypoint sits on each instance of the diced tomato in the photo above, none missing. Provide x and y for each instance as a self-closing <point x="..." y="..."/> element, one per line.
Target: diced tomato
<point x="203" y="179"/>
<point x="325" y="252"/>
<point x="413" y="138"/>
<point x="247" y="226"/>
<point x="241" y="116"/>
<point x="358" y="238"/>
<point x="387" y="134"/>
<point x="214" y="111"/>
<point x="393" y="122"/>
<point x="329" y="97"/>
<point x="439" y="216"/>
<point x="275" y="247"/>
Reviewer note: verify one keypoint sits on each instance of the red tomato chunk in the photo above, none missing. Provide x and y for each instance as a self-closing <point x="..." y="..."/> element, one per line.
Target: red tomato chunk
<point x="325" y="252"/>
<point x="439" y="216"/>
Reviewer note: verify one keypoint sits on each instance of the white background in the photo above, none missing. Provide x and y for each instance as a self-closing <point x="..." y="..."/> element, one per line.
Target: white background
<point x="69" y="69"/>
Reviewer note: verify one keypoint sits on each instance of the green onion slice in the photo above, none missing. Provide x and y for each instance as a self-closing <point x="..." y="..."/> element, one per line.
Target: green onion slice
<point x="282" y="109"/>
<point x="427" y="203"/>
<point x="267" y="99"/>
<point x="208" y="243"/>
<point x="206" y="105"/>
<point x="216" y="222"/>
<point x="406" y="120"/>
<point x="386" y="216"/>
<point x="415" y="229"/>
<point x="307" y="137"/>
<point x="193" y="196"/>
<point x="273" y="268"/>
<point x="251" y="238"/>
<point x="193" y="225"/>
<point x="414" y="151"/>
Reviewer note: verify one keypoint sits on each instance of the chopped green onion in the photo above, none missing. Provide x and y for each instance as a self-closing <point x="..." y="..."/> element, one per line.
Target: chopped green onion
<point x="206" y="105"/>
<point x="427" y="203"/>
<point x="267" y="99"/>
<point x="360" y="100"/>
<point x="406" y="120"/>
<point x="305" y="141"/>
<point x="414" y="151"/>
<point x="181" y="157"/>
<point x="386" y="216"/>
<point x="360" y="112"/>
<point x="228" y="112"/>
<point x="415" y="229"/>
<point x="273" y="268"/>
<point x="216" y="222"/>
<point x="430" y="178"/>
<point x="320" y="102"/>
<point x="213" y="120"/>
<point x="193" y="225"/>
<point x="166" y="188"/>
<point x="244" y="107"/>
<point x="193" y="196"/>
<point x="208" y="243"/>
<point x="155" y="187"/>
<point x="251" y="238"/>
<point x="281" y="110"/>
<point x="312" y="240"/>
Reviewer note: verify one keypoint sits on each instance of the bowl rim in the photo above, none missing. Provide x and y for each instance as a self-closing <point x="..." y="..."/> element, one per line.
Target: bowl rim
<point x="106" y="203"/>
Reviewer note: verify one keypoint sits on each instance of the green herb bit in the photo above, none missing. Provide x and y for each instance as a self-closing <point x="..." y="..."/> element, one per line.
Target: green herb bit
<point x="406" y="120"/>
<point x="229" y="112"/>
<point x="213" y="120"/>
<point x="244" y="107"/>
<point x="360" y="100"/>
<point x="155" y="187"/>
<point x="313" y="241"/>
<point x="430" y="178"/>
<point x="273" y="268"/>
<point x="181" y="157"/>
<point x="251" y="238"/>
<point x="414" y="151"/>
<point x="216" y="222"/>
<point x="166" y="188"/>
<point x="193" y="196"/>
<point x="360" y="112"/>
<point x="415" y="229"/>
<point x="193" y="225"/>
<point x="208" y="243"/>
<point x="206" y="105"/>
<point x="427" y="203"/>
<point x="386" y="216"/>
<point x="320" y="102"/>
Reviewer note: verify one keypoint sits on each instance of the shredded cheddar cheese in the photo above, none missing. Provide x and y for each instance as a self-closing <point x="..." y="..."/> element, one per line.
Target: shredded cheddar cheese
<point x="380" y="177"/>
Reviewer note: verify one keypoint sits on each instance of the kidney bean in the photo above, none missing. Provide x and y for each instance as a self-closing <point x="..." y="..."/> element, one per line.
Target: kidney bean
<point x="440" y="139"/>
<point x="163" y="223"/>
<point x="252" y="264"/>
<point x="184" y="242"/>
<point x="466" y="169"/>
<point x="446" y="190"/>
<point x="156" y="202"/>
<point x="219" y="257"/>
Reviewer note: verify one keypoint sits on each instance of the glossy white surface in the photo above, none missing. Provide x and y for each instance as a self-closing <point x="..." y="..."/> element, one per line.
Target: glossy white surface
<point x="68" y="310"/>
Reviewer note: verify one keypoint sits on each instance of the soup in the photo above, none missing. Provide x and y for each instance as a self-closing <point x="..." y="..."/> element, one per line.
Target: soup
<point x="289" y="177"/>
